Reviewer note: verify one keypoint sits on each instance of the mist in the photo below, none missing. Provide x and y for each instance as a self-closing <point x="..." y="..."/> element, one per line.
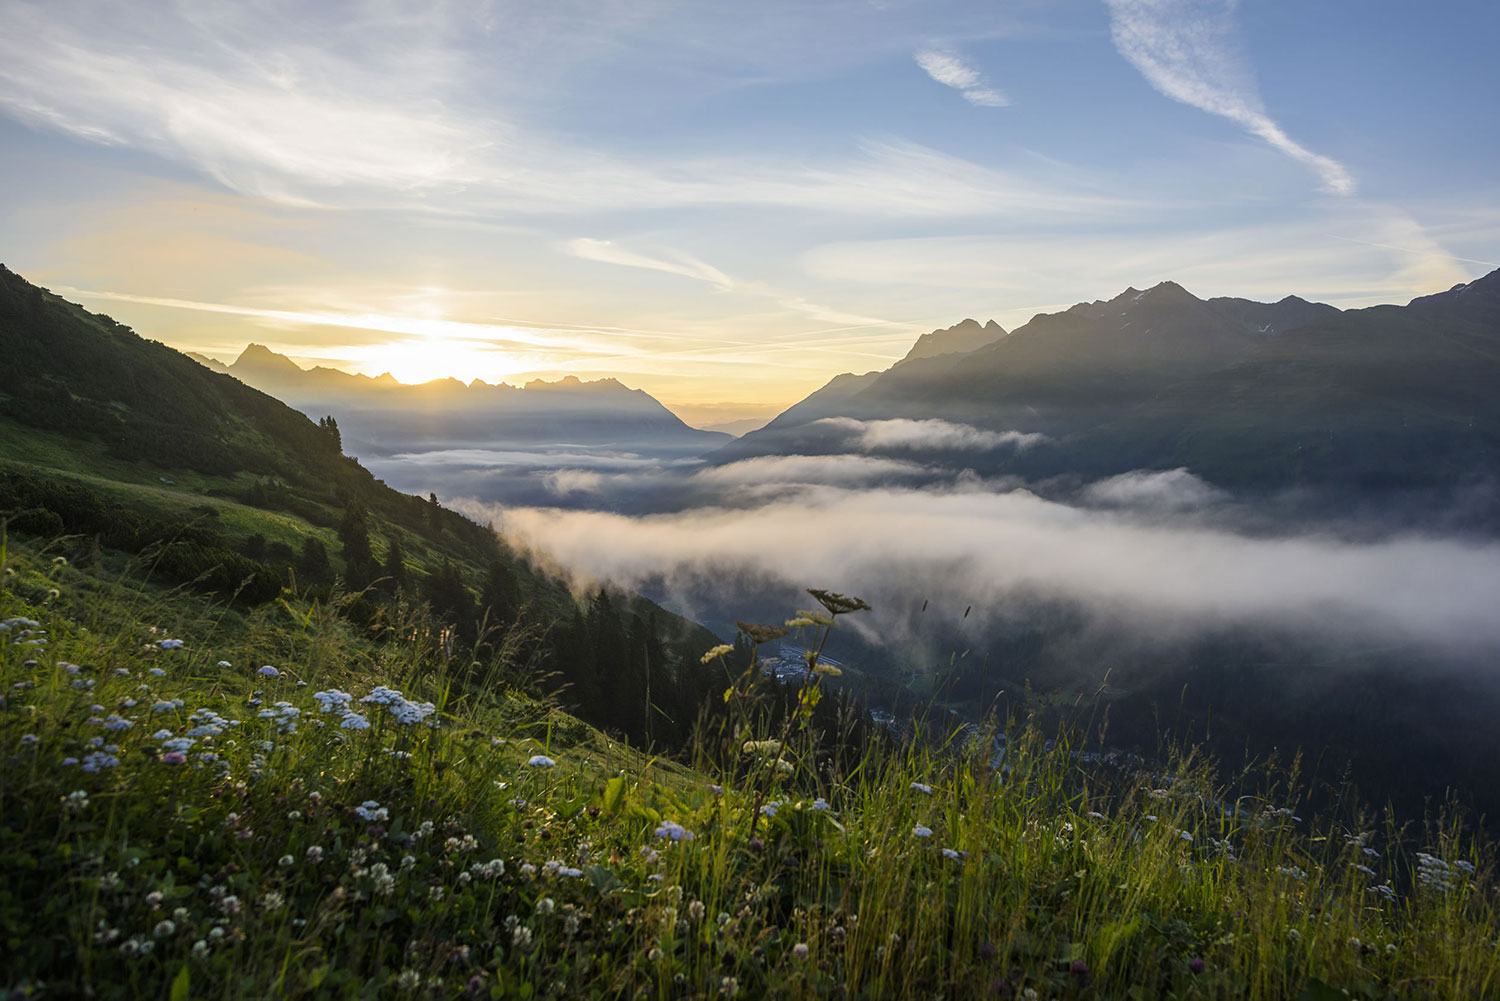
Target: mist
<point x="968" y="545"/>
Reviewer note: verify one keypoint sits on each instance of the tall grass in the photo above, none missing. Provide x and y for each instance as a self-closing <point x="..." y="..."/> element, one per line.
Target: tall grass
<point x="483" y="845"/>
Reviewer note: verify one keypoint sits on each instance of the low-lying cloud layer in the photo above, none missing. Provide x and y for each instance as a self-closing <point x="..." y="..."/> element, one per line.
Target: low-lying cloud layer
<point x="968" y="545"/>
<point x="902" y="434"/>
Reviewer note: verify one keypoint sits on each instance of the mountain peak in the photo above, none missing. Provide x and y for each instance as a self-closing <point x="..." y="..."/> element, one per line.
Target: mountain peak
<point x="261" y="357"/>
<point x="964" y="336"/>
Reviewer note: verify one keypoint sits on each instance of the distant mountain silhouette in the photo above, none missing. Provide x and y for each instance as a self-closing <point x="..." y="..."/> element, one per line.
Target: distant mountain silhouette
<point x="383" y="415"/>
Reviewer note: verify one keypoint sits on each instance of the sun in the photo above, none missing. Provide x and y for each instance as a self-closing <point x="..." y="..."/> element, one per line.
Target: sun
<point x="415" y="361"/>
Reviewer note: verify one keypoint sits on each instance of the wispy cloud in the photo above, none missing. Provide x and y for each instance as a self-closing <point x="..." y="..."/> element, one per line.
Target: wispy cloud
<point x="951" y="70"/>
<point x="381" y="112"/>
<point x="675" y="262"/>
<point x="1188" y="50"/>
<point x="607" y="252"/>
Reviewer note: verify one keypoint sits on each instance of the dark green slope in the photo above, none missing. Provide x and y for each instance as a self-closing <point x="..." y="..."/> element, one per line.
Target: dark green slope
<point x="118" y="444"/>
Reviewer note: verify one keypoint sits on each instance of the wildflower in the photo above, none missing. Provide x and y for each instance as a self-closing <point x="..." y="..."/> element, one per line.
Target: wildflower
<point x="540" y="761"/>
<point x="116" y="722"/>
<point x="1293" y="934"/>
<point x="435" y="894"/>
<point x="354" y="721"/>
<point x="267" y="671"/>
<point x="1184" y="835"/>
<point x="827" y="670"/>
<point x="372" y="811"/>
<point x="762" y="747"/>
<point x="286" y="861"/>
<point x="224" y="663"/>
<point x="29" y="739"/>
<point x="409" y="980"/>
<point x="820" y="804"/>
<point x="76" y="801"/>
<point x="717" y="651"/>
<point x="673" y="830"/>
<point x="950" y="853"/>
<point x="315" y="854"/>
<point x="404" y="710"/>
<point x="166" y="706"/>
<point x="922" y="787"/>
<point x="545" y="905"/>
<point x="164" y="928"/>
<point x="800" y="950"/>
<point x="696" y="910"/>
<point x="654" y="955"/>
<point x="769" y="810"/>
<point x="921" y="832"/>
<point x="98" y="761"/>
<point x="717" y="790"/>
<point x="1196" y="964"/>
<point x="173" y="758"/>
<point x="169" y="644"/>
<point x="200" y="949"/>
<point x="729" y="987"/>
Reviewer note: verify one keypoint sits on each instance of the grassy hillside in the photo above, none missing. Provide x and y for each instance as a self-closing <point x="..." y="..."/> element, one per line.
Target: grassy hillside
<point x="122" y="447"/>
<point x="203" y="802"/>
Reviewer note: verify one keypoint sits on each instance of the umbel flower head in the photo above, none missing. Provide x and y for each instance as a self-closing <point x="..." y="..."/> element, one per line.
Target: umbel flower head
<point x="762" y="634"/>
<point x="838" y="604"/>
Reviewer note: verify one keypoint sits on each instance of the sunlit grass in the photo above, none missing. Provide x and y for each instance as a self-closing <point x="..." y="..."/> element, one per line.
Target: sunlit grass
<point x="290" y="854"/>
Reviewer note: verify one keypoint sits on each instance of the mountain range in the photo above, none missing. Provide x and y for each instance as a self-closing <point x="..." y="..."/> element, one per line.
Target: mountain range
<point x="1261" y="396"/>
<point x="379" y="415"/>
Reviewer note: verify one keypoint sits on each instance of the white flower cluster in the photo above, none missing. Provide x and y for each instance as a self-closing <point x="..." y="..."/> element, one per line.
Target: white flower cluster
<point x="372" y="811"/>
<point x="283" y="715"/>
<point x="404" y="710"/>
<point x="208" y="723"/>
<point x="1435" y="874"/>
<point x="333" y="700"/>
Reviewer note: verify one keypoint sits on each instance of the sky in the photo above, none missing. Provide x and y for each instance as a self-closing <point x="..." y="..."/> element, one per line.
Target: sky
<point x="726" y="204"/>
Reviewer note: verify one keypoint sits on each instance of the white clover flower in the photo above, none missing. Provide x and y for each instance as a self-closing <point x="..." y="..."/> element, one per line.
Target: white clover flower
<point x="164" y="929"/>
<point x="545" y="905"/>
<point x="540" y="761"/>
<point x="315" y="854"/>
<point x="286" y="861"/>
<point x="921" y="832"/>
<point x="225" y="663"/>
